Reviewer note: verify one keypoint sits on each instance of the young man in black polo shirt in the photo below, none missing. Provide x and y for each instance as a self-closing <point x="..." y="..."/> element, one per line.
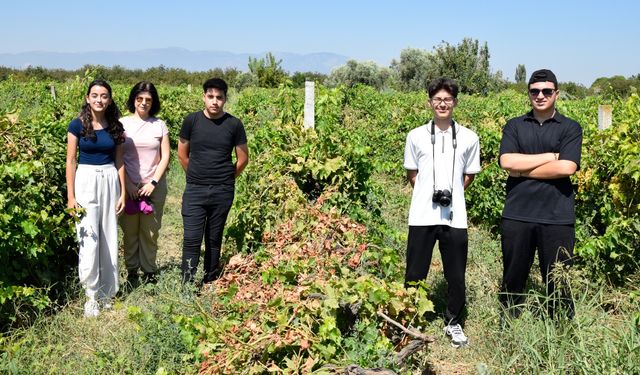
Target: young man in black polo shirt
<point x="207" y="139"/>
<point x="540" y="150"/>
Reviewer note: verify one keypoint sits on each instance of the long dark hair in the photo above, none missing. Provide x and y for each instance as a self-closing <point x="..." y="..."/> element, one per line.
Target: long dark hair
<point x="112" y="114"/>
<point x="142" y="87"/>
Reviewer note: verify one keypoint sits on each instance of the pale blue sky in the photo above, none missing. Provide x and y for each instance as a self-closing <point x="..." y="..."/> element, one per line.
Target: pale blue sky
<point x="579" y="40"/>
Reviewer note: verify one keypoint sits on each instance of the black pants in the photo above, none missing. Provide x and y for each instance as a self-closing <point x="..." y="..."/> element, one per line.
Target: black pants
<point x="454" y="245"/>
<point x="519" y="242"/>
<point x="204" y="212"/>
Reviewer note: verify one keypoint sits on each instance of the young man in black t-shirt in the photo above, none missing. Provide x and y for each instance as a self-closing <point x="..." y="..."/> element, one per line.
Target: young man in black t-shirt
<point x="540" y="150"/>
<point x="207" y="139"/>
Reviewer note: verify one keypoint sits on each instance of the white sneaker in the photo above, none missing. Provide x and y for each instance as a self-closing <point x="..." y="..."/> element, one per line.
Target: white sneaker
<point x="458" y="338"/>
<point x="91" y="309"/>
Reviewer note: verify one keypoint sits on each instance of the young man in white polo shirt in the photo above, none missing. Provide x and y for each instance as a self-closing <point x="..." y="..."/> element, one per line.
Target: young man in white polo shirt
<point x="441" y="158"/>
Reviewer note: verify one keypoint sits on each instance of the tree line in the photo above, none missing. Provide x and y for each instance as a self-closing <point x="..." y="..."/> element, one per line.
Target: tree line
<point x="467" y="62"/>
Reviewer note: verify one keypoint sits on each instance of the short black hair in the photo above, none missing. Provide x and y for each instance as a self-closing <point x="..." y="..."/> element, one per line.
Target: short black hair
<point x="543" y="75"/>
<point x="142" y="87"/>
<point x="215" y="83"/>
<point x="443" y="83"/>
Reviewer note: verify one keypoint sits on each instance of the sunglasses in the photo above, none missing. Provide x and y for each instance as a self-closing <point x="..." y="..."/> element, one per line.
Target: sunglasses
<point x="140" y="99"/>
<point x="545" y="92"/>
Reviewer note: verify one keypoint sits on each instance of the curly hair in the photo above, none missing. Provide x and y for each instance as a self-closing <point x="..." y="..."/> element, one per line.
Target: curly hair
<point x="445" y="84"/>
<point x="112" y="115"/>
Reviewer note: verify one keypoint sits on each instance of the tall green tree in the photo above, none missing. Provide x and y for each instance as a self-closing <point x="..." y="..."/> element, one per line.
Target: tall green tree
<point x="268" y="71"/>
<point x="467" y="63"/>
<point x="616" y="85"/>
<point x="521" y="73"/>
<point x="413" y="70"/>
<point x="354" y="72"/>
<point x="573" y="90"/>
<point x="299" y="78"/>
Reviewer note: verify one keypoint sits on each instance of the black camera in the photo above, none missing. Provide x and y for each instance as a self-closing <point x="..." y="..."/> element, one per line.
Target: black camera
<point x="442" y="197"/>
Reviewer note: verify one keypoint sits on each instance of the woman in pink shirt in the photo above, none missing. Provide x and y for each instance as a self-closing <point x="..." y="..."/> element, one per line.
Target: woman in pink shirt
<point x="146" y="157"/>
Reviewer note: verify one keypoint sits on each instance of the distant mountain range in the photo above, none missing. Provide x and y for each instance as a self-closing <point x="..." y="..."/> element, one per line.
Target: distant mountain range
<point x="322" y="62"/>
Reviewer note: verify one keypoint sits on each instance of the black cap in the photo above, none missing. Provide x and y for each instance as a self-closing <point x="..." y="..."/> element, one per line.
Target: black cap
<point x="543" y="75"/>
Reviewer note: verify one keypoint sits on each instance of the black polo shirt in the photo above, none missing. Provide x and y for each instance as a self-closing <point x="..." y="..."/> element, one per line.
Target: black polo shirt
<point x="211" y="142"/>
<point x="541" y="201"/>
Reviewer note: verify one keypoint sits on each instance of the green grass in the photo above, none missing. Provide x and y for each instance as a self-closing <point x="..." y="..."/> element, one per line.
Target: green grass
<point x="136" y="337"/>
<point x="140" y="335"/>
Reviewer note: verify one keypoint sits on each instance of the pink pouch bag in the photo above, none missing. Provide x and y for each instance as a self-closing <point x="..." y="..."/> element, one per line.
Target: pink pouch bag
<point x="145" y="206"/>
<point x="134" y="206"/>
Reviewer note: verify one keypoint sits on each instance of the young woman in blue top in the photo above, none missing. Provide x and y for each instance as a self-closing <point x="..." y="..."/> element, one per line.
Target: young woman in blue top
<point x="96" y="193"/>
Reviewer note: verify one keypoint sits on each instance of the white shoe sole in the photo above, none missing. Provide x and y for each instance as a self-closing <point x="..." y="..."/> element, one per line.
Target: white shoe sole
<point x="457" y="345"/>
<point x="91" y="312"/>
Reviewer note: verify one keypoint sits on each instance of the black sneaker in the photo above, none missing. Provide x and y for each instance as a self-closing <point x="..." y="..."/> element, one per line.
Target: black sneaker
<point x="149" y="278"/>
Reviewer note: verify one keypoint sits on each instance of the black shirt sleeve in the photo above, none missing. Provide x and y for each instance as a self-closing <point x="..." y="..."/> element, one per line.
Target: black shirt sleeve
<point x="571" y="144"/>
<point x="241" y="135"/>
<point x="509" y="141"/>
<point x="185" y="131"/>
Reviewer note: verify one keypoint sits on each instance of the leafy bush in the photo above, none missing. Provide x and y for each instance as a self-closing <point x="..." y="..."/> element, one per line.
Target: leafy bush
<point x="316" y="161"/>
<point x="609" y="191"/>
<point x="176" y="103"/>
<point x="305" y="299"/>
<point x="36" y="235"/>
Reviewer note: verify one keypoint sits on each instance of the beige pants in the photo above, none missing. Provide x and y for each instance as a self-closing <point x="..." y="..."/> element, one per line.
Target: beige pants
<point x="140" y="233"/>
<point x="97" y="190"/>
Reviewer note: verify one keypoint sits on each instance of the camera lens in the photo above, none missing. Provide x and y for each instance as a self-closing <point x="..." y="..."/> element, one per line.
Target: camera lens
<point x="442" y="197"/>
<point x="445" y="201"/>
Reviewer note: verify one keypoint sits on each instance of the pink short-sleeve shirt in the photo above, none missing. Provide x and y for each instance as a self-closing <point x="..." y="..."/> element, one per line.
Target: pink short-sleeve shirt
<point x="142" y="147"/>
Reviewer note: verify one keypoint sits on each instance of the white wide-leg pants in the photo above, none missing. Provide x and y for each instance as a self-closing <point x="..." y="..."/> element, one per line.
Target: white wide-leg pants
<point x="97" y="191"/>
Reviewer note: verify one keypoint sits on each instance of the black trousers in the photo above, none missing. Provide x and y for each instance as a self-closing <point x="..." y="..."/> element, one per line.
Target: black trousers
<point x="519" y="243"/>
<point x="204" y="213"/>
<point x="454" y="245"/>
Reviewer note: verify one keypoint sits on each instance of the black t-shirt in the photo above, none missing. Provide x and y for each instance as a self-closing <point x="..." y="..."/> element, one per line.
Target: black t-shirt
<point x="541" y="201"/>
<point x="211" y="142"/>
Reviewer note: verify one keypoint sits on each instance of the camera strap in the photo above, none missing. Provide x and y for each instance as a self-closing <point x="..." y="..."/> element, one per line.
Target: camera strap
<point x="454" y="142"/>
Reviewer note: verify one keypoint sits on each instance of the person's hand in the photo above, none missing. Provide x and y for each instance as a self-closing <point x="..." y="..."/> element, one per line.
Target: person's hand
<point x="514" y="174"/>
<point x="75" y="210"/>
<point x="120" y="204"/>
<point x="72" y="204"/>
<point x="132" y="190"/>
<point x="146" y="190"/>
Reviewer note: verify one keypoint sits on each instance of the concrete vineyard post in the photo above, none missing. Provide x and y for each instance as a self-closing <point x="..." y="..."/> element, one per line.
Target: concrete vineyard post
<point x="605" y="116"/>
<point x="309" y="108"/>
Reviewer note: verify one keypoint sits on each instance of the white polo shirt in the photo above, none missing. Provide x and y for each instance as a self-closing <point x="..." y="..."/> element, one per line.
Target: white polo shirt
<point x="419" y="155"/>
